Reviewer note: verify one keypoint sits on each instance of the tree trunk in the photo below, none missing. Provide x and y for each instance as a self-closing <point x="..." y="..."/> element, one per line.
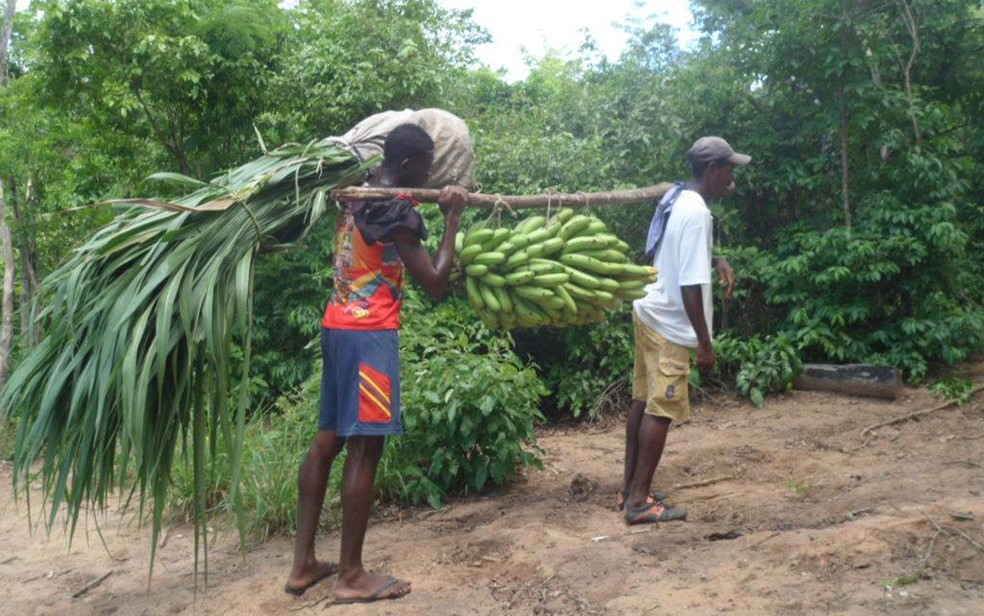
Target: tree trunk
<point x="913" y="27"/>
<point x="8" y="27"/>
<point x="855" y="379"/>
<point x="845" y="134"/>
<point x="6" y="246"/>
<point x="27" y="246"/>
<point x="845" y="139"/>
<point x="7" y="303"/>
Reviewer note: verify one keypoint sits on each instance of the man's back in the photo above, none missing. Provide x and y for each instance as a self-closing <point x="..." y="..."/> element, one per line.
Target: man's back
<point x="683" y="259"/>
<point x="368" y="275"/>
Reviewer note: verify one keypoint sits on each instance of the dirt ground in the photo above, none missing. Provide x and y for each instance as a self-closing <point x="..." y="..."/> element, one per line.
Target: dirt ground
<point x="792" y="511"/>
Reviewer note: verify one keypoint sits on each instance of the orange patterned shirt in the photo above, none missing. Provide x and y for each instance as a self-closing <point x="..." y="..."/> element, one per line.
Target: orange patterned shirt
<point x="369" y="276"/>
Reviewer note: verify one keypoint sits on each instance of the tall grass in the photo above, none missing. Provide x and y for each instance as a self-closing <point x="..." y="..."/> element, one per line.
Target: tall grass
<point x="274" y="443"/>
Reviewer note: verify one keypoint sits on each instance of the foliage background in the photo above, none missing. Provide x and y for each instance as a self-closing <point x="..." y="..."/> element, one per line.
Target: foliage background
<point x="855" y="233"/>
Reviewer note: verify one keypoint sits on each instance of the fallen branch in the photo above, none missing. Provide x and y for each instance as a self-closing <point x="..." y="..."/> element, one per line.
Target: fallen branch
<point x="915" y="414"/>
<point x="700" y="484"/>
<point x="967" y="537"/>
<point x="855" y="379"/>
<point x="966" y="463"/>
<point x="722" y="496"/>
<point x="48" y="576"/>
<point x="515" y="202"/>
<point x="929" y="550"/>
<point x="91" y="585"/>
<point x="853" y="514"/>
<point x="761" y="541"/>
<point x="949" y="530"/>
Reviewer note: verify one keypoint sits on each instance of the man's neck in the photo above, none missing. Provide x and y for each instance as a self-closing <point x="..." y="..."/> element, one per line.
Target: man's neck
<point x="696" y="185"/>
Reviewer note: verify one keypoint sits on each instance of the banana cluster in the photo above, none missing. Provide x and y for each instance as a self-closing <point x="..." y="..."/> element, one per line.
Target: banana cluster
<point x="562" y="272"/>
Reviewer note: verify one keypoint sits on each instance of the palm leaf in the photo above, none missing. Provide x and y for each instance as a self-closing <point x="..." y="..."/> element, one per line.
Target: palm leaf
<point x="140" y="324"/>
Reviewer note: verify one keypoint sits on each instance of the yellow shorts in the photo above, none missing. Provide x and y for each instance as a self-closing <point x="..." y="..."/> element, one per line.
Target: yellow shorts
<point x="661" y="377"/>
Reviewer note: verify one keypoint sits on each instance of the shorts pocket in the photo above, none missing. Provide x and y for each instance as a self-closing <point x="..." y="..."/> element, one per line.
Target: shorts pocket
<point x="673" y="379"/>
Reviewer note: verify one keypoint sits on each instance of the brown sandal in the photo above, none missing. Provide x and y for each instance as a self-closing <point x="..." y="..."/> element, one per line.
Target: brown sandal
<point x="656" y="512"/>
<point x="622" y="495"/>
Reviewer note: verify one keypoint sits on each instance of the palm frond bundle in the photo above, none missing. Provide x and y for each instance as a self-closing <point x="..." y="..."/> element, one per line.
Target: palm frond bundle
<point x="141" y="323"/>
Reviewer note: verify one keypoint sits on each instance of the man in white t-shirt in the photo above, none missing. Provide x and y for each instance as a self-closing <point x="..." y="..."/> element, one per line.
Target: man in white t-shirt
<point x="673" y="318"/>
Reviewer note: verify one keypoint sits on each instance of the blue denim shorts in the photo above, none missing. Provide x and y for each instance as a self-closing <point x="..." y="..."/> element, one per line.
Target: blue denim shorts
<point x="360" y="382"/>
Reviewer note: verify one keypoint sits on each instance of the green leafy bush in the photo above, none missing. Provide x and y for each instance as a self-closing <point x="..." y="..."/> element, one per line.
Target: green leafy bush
<point x="900" y="287"/>
<point x="960" y="390"/>
<point x="587" y="368"/>
<point x="875" y="296"/>
<point x="760" y="366"/>
<point x="470" y="407"/>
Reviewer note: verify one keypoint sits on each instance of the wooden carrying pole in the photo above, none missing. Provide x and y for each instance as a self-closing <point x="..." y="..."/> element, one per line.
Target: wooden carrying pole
<point x="516" y="202"/>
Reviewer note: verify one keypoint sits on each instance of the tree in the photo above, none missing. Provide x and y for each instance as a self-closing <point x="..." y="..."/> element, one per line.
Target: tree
<point x="189" y="76"/>
<point x="344" y="61"/>
<point x="348" y="59"/>
<point x="6" y="239"/>
<point x="867" y="141"/>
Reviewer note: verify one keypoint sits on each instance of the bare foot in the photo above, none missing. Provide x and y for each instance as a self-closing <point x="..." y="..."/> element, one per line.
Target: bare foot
<point x="368" y="587"/>
<point x="297" y="585"/>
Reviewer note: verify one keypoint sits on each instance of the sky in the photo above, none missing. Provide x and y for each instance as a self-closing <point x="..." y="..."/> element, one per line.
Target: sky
<point x="538" y="25"/>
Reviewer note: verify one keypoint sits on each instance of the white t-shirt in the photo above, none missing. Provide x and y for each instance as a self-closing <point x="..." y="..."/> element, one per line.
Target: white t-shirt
<point x="683" y="259"/>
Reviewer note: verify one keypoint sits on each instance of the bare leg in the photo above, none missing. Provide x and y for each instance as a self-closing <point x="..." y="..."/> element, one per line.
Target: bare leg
<point x="636" y="411"/>
<point x="312" y="483"/>
<point x="652" y="438"/>
<point x="354" y="582"/>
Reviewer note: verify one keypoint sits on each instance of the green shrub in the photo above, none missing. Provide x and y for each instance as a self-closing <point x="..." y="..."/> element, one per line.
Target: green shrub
<point x="902" y="285"/>
<point x="470" y="406"/>
<point x="587" y="368"/>
<point x="760" y="366"/>
<point x="957" y="389"/>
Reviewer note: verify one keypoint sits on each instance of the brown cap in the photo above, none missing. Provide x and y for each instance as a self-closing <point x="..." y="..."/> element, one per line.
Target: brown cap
<point x="708" y="149"/>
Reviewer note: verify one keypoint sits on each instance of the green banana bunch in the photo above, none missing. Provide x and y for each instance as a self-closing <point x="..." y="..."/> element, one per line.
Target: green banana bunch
<point x="560" y="272"/>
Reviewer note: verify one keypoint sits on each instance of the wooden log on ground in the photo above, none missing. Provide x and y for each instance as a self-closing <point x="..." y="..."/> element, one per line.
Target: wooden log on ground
<point x="515" y="202"/>
<point x="855" y="379"/>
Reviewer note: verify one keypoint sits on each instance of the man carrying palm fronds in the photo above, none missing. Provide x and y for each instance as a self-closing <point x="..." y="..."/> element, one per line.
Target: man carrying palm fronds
<point x="360" y="386"/>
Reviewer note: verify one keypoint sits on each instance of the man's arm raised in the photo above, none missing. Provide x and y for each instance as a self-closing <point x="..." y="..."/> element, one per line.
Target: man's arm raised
<point x="432" y="274"/>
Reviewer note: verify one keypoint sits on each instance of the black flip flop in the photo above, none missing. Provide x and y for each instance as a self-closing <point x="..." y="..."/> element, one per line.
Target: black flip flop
<point x="656" y="512"/>
<point x="377" y="595"/>
<point x="327" y="571"/>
